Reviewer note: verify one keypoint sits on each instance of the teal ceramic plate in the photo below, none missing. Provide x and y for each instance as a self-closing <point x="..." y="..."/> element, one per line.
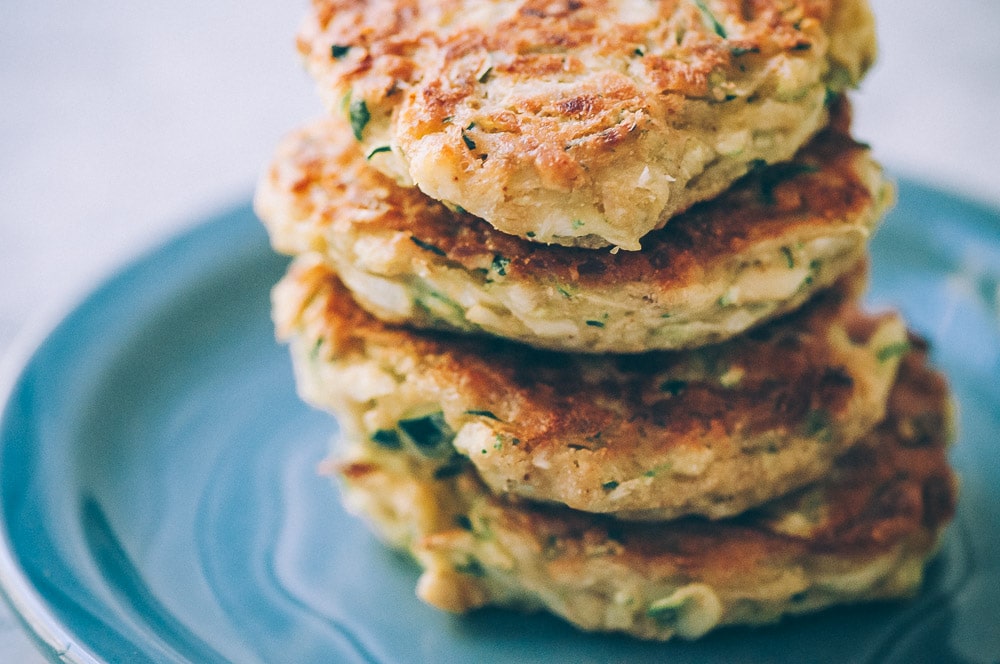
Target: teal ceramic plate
<point x="159" y="499"/>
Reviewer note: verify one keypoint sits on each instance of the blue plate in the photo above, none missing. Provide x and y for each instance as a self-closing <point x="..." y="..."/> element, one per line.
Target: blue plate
<point x="159" y="499"/>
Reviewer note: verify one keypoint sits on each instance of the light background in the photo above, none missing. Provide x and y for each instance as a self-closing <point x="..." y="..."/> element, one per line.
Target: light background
<point x="124" y="123"/>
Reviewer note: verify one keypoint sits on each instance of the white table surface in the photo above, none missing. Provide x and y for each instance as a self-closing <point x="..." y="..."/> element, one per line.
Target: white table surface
<point x="122" y="124"/>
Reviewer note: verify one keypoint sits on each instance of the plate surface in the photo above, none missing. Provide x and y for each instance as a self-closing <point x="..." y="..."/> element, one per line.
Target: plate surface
<point x="159" y="499"/>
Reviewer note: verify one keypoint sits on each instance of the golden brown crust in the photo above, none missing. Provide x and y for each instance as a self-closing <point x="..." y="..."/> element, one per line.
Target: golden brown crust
<point x="649" y="436"/>
<point x="759" y="249"/>
<point x="863" y="532"/>
<point x="896" y="484"/>
<point x="675" y="52"/>
<point x="542" y="117"/>
<point x="886" y="492"/>
<point x="788" y="370"/>
<point x="821" y="189"/>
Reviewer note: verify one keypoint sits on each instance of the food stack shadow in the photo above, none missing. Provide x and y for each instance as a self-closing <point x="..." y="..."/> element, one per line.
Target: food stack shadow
<point x="593" y="335"/>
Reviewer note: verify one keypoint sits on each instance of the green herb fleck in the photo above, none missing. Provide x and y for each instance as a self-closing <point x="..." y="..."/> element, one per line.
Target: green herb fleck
<point x="530" y="234"/>
<point x="663" y="615"/>
<point x="500" y="264"/>
<point x="439" y="307"/>
<point x="710" y="19"/>
<point x="469" y="143"/>
<point x="380" y="149"/>
<point x="595" y="323"/>
<point x="485" y="75"/>
<point x="454" y="467"/>
<point x="565" y="291"/>
<point x="838" y="79"/>
<point x="338" y="51"/>
<point x="673" y="387"/>
<point x="639" y="51"/>
<point x="472" y="567"/>
<point x="609" y="486"/>
<point x="814" y="266"/>
<point x="428" y="246"/>
<point x="359" y="117"/>
<point x="737" y="51"/>
<point x="463" y="522"/>
<point x="789" y="257"/>
<point x="483" y="413"/>
<point x="578" y="223"/>
<point x="656" y="470"/>
<point x="387" y="438"/>
<point x="666" y="611"/>
<point x="427" y="433"/>
<point x="817" y="424"/>
<point x="898" y="349"/>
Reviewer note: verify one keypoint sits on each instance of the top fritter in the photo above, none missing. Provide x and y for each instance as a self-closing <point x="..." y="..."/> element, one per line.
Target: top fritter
<point x="582" y="122"/>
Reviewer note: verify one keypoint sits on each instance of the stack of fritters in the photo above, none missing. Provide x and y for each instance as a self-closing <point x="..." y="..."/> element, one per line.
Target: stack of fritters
<point x="580" y="281"/>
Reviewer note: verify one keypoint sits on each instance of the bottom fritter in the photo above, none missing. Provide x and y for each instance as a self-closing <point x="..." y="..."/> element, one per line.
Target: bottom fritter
<point x="864" y="533"/>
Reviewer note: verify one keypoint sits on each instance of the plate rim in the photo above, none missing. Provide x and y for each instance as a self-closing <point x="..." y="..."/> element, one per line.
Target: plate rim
<point x="50" y="635"/>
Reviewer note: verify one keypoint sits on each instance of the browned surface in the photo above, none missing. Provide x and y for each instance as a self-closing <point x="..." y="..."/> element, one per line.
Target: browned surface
<point x="892" y="495"/>
<point x="553" y="399"/>
<point x="819" y="192"/>
<point x="676" y="55"/>
<point x="896" y="486"/>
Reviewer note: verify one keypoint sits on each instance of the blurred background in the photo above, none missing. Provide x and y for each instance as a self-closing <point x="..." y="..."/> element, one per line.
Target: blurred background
<point x="122" y="125"/>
